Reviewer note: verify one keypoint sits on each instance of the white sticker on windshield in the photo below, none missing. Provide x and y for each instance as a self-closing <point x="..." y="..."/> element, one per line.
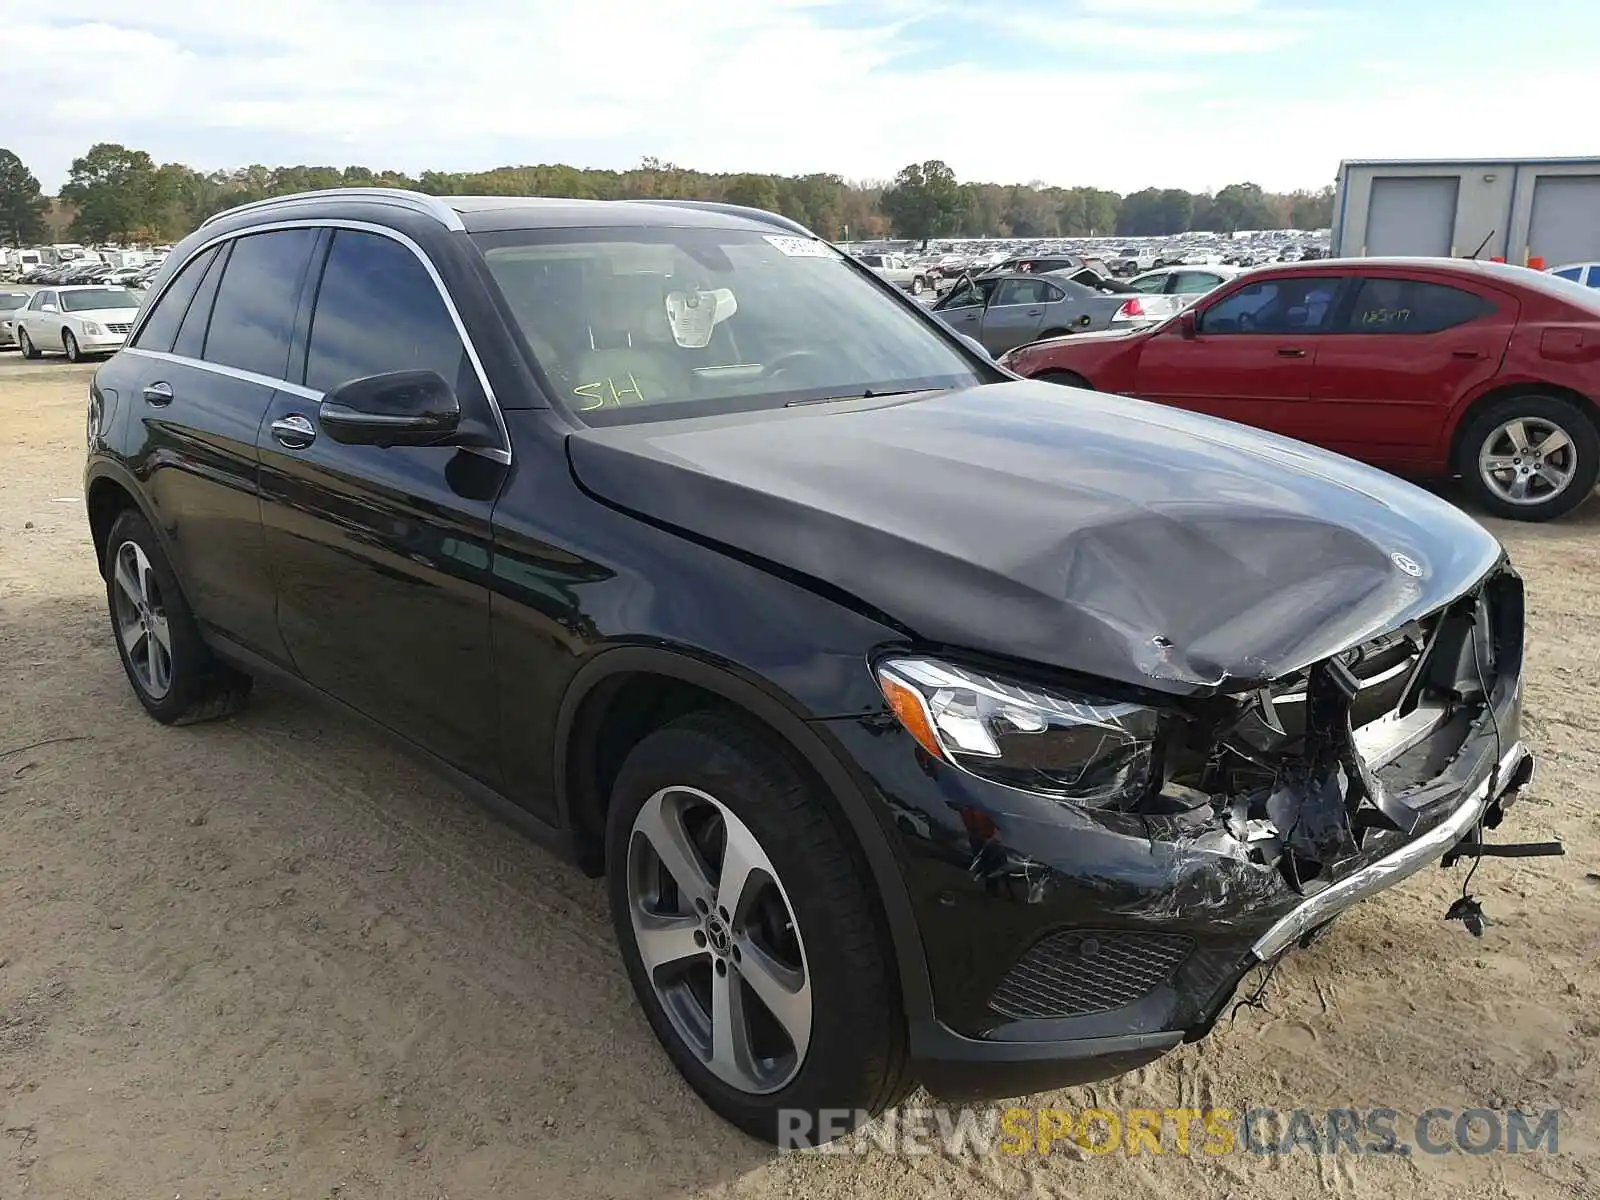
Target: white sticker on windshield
<point x="799" y="247"/>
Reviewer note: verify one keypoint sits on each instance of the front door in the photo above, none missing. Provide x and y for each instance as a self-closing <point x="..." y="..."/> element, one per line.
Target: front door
<point x="1252" y="356"/>
<point x="1406" y="350"/>
<point x="962" y="309"/>
<point x="382" y="556"/>
<point x="1015" y="312"/>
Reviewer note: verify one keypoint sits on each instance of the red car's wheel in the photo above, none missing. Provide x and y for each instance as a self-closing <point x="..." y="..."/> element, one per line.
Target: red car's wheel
<point x="1530" y="458"/>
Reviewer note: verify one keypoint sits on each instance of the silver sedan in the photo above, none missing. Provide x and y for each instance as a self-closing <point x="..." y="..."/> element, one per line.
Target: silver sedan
<point x="1006" y="311"/>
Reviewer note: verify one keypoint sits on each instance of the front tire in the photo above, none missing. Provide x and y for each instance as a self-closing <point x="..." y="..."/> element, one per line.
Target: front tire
<point x="1065" y="379"/>
<point x="69" y="345"/>
<point x="1530" y="458"/>
<point x="172" y="671"/>
<point x="750" y="935"/>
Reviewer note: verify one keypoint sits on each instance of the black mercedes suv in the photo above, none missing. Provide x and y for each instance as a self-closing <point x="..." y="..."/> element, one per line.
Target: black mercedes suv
<point x="928" y="724"/>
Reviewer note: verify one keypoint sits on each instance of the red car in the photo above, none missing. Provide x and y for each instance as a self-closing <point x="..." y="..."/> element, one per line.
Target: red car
<point x="1423" y="366"/>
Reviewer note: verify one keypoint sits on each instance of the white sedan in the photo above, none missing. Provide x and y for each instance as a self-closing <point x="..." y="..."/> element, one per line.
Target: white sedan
<point x="1188" y="281"/>
<point x="77" y="321"/>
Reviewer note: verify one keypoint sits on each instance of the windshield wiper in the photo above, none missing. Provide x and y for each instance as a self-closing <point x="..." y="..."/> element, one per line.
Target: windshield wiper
<point x="868" y="394"/>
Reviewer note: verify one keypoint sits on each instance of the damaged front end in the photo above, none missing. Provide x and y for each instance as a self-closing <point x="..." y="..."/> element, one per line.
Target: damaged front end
<point x="1129" y="858"/>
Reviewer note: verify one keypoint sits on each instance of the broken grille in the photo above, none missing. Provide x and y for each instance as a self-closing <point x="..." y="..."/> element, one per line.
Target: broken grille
<point x="1076" y="972"/>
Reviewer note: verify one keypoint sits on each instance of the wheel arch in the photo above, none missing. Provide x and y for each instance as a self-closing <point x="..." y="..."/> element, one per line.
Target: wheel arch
<point x="622" y="694"/>
<point x="109" y="490"/>
<point x="1465" y="416"/>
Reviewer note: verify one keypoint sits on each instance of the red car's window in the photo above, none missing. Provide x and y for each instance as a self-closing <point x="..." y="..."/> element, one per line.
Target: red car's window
<point x="1280" y="305"/>
<point x="1411" y="306"/>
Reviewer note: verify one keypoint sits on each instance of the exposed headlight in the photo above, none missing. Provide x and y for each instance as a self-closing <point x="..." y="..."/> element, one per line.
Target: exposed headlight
<point x="91" y="329"/>
<point x="1075" y="748"/>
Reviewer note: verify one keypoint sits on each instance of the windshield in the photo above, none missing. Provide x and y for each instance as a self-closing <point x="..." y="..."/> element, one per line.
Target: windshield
<point x="651" y="323"/>
<point x="90" y="299"/>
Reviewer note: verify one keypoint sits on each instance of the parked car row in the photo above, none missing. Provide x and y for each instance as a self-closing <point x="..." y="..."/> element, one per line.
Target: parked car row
<point x="93" y="272"/>
<point x="1423" y="366"/>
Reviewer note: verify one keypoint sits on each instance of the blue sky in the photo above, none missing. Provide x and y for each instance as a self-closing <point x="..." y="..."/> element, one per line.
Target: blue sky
<point x="1115" y="93"/>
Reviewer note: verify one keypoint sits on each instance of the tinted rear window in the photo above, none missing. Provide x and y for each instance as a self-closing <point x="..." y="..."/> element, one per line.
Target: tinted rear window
<point x="161" y="327"/>
<point x="1412" y="306"/>
<point x="254" y="313"/>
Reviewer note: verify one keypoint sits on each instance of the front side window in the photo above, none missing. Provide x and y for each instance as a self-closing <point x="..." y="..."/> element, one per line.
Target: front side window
<point x="160" y="328"/>
<point x="970" y="294"/>
<point x="253" y="317"/>
<point x="1411" y="306"/>
<point x="41" y="299"/>
<point x="1594" y="276"/>
<point x="1284" y="305"/>
<point x="650" y="322"/>
<point x="379" y="311"/>
<point x="1572" y="273"/>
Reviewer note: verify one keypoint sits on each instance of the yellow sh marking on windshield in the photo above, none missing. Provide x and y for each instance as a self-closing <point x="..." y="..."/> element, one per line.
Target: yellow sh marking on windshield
<point x="598" y="393"/>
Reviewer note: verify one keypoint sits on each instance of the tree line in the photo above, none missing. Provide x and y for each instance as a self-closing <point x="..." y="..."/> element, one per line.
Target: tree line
<point x="115" y="194"/>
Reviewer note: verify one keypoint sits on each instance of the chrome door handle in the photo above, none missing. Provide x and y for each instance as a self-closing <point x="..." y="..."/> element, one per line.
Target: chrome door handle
<point x="1287" y="352"/>
<point x="158" y="394"/>
<point x="294" y="431"/>
<point x="1036" y="312"/>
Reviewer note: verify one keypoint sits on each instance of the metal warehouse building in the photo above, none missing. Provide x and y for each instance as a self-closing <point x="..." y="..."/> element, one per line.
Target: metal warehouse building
<point x="1519" y="209"/>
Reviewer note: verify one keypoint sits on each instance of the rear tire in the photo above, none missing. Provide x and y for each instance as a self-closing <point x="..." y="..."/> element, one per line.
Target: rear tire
<point x="1053" y="333"/>
<point x="1530" y="458"/>
<point x="918" y="286"/>
<point x="702" y="783"/>
<point x="25" y="344"/>
<point x="170" y="668"/>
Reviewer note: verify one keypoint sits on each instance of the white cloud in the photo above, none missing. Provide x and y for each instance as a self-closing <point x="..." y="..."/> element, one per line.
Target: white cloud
<point x="767" y="85"/>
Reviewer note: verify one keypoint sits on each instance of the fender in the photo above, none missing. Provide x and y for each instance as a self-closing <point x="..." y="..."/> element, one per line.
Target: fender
<point x="109" y="468"/>
<point x="809" y="741"/>
<point x="1443" y="453"/>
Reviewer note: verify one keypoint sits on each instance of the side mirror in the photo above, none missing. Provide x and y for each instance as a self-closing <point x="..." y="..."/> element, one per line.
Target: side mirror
<point x="1186" y="324"/>
<point x="398" y="408"/>
<point x="48" y="308"/>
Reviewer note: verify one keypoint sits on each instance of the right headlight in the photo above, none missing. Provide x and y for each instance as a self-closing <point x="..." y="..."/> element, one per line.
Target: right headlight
<point x="1074" y="748"/>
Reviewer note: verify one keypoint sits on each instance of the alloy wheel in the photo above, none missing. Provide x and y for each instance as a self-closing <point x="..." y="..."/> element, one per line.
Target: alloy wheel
<point x="141" y="619"/>
<point x="1528" y="461"/>
<point x="718" y="939"/>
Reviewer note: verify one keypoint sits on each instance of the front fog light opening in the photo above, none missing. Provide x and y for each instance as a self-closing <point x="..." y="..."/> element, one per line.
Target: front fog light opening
<point x="1074" y="748"/>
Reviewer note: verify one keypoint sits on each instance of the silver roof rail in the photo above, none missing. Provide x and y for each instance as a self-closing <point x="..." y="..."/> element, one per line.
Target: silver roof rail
<point x="417" y="202"/>
<point x="777" y="220"/>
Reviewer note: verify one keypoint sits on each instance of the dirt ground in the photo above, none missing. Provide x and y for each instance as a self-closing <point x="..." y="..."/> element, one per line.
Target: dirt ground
<point x="273" y="956"/>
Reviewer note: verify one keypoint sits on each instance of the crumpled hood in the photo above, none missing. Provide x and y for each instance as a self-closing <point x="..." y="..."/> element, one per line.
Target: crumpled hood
<point x="1088" y="532"/>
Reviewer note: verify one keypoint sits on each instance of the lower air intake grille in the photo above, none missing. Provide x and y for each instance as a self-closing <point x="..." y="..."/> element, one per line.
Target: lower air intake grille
<point x="1080" y="971"/>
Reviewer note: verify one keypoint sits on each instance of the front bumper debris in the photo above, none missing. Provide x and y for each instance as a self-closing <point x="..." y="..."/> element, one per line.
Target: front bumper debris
<point x="1515" y="770"/>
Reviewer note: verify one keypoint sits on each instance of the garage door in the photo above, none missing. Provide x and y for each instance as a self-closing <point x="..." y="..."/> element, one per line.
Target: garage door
<point x="1565" y="225"/>
<point x="1412" y="215"/>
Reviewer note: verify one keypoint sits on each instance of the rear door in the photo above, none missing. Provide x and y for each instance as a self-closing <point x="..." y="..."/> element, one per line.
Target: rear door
<point x="1015" y="312"/>
<point x="1405" y="350"/>
<point x="382" y="556"/>
<point x="1252" y="356"/>
<point x="199" y="375"/>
